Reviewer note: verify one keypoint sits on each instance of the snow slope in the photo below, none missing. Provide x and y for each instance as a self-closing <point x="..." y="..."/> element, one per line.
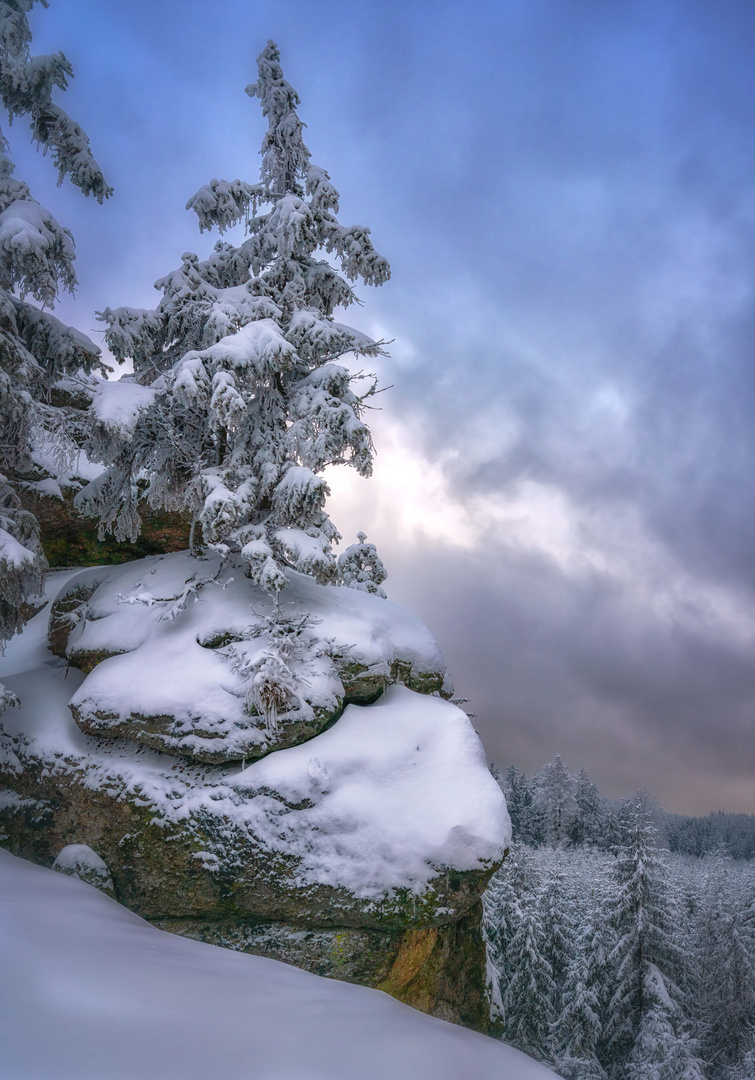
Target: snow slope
<point x="92" y="992"/>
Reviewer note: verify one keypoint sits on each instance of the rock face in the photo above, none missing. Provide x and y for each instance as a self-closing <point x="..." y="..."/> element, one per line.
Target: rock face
<point x="352" y="832"/>
<point x="438" y="970"/>
<point x="70" y="539"/>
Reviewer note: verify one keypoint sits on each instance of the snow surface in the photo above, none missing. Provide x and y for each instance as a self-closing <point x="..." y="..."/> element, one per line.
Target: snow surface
<point x="12" y="553"/>
<point x="256" y="345"/>
<point x="75" y="857"/>
<point x="117" y="404"/>
<point x="92" y="992"/>
<point x="400" y="783"/>
<point x="29" y="232"/>
<point x="67" y="474"/>
<point x="82" y="862"/>
<point x="165" y="669"/>
<point x="47" y="488"/>
<point x="389" y="797"/>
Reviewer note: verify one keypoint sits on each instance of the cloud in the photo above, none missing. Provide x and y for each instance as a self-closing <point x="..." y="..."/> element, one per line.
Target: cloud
<point x="572" y="628"/>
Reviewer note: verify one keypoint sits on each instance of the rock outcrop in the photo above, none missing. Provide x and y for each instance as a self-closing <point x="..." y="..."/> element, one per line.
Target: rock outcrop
<point x="350" y="831"/>
<point x="70" y="539"/>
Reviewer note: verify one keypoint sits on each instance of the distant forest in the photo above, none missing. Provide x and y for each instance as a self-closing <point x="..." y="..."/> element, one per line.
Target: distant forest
<point x="557" y="805"/>
<point x="732" y="834"/>
<point x="621" y="939"/>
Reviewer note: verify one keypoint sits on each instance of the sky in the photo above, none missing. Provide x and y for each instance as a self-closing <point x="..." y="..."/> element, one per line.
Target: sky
<point x="564" y="189"/>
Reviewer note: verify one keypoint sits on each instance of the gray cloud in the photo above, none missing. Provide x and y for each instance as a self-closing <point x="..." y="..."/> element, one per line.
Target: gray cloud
<point x="552" y="666"/>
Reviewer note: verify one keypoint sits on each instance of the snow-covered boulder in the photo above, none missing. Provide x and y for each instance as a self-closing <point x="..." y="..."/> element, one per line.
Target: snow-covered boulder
<point x="361" y="851"/>
<point x="93" y="992"/>
<point x="79" y="861"/>
<point x="173" y="645"/>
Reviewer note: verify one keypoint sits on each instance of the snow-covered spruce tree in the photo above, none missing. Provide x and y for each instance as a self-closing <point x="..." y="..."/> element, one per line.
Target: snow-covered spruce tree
<point x="528" y="989"/>
<point x="645" y="953"/>
<point x="36" y="260"/>
<point x="745" y="1068"/>
<point x="723" y="1001"/>
<point x="527" y="1001"/>
<point x="502" y="901"/>
<point x="237" y="403"/>
<point x="556" y="911"/>
<point x="586" y="827"/>
<point x="576" y="1035"/>
<point x="554" y="796"/>
<point x="662" y="1050"/>
<point x="360" y="567"/>
<point x="518" y="800"/>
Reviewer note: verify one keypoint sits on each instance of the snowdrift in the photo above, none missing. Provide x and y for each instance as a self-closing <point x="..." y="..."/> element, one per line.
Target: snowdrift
<point x="92" y="992"/>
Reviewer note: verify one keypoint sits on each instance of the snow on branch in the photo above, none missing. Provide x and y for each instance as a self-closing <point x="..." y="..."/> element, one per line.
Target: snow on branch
<point x="236" y="406"/>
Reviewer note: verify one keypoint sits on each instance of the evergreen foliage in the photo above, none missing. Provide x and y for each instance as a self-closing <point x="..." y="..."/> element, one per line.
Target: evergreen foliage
<point x="519" y="801"/>
<point x="578" y="1030"/>
<point x="616" y="959"/>
<point x="558" y="807"/>
<point x="639" y="914"/>
<point x="555" y="797"/>
<point x="529" y="987"/>
<point x="36" y="260"/>
<point x="724" y="994"/>
<point x="238" y="402"/>
<point x="360" y="567"/>
<point x="734" y="833"/>
<point x="585" y="828"/>
<point x="660" y="1050"/>
<point x="558" y="928"/>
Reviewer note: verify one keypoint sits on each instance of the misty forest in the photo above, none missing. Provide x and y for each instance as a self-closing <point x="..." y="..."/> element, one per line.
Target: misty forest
<point x="239" y="794"/>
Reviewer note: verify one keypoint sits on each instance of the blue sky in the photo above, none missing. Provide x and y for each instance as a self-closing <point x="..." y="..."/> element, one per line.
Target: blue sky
<point x="564" y="190"/>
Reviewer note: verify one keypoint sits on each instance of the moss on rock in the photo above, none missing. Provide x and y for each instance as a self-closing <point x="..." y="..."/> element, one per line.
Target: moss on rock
<point x="70" y="539"/>
<point x="201" y="864"/>
<point x="439" y="970"/>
